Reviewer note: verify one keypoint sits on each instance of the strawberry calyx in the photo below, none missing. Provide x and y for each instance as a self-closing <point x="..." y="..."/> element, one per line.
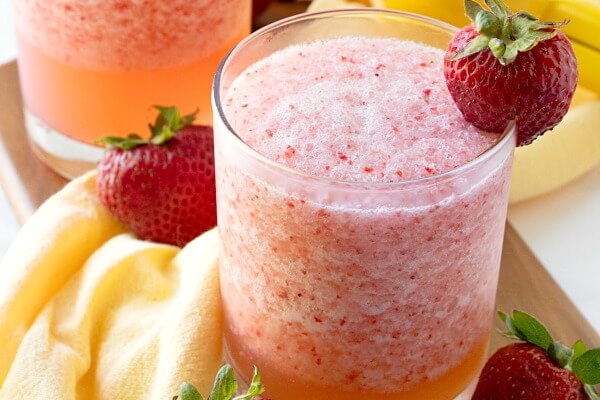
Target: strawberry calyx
<point x="167" y="123"/>
<point x="583" y="363"/>
<point x="224" y="388"/>
<point x="503" y="32"/>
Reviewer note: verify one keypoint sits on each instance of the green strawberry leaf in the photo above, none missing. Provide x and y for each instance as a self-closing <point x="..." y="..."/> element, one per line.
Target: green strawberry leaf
<point x="523" y="23"/>
<point x="163" y="136"/>
<point x="188" y="119"/>
<point x="544" y="26"/>
<point x="127" y="143"/>
<point x="224" y="387"/>
<point x="187" y="391"/>
<point x="511" y="332"/>
<point x="525" y="14"/>
<point x="472" y="8"/>
<point x="510" y="53"/>
<point x="586" y="367"/>
<point x="503" y="316"/>
<point x="498" y="8"/>
<point x="169" y="121"/>
<point x="225" y="384"/>
<point x="474" y="46"/>
<point x="508" y="34"/>
<point x="531" y="330"/>
<point x="167" y="117"/>
<point x="488" y="24"/>
<point x="560" y="353"/>
<point x="578" y="348"/>
<point x="498" y="48"/>
<point x="255" y="389"/>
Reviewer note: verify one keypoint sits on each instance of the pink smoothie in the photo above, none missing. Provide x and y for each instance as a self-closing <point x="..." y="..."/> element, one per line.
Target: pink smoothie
<point x="117" y="35"/>
<point x="91" y="68"/>
<point x="373" y="286"/>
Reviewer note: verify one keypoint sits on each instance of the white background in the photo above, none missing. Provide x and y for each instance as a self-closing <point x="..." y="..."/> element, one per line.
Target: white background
<point x="562" y="228"/>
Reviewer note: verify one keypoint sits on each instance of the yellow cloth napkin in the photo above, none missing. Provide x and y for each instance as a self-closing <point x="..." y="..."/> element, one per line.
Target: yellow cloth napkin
<point x="89" y="312"/>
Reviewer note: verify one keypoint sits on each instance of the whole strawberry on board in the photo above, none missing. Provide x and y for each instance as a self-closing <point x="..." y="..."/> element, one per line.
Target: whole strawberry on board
<point x="162" y="188"/>
<point x="538" y="368"/>
<point x="508" y="66"/>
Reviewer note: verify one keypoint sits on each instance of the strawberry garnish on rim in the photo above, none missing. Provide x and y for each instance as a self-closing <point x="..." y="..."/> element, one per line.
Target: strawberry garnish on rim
<point x="538" y="368"/>
<point x="510" y="66"/>
<point x="162" y="188"/>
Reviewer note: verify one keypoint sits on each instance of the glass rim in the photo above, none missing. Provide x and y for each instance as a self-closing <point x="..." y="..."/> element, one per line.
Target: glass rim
<point x="504" y="137"/>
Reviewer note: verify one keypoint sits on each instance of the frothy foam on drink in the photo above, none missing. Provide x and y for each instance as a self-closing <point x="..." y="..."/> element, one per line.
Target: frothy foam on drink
<point x="354" y="109"/>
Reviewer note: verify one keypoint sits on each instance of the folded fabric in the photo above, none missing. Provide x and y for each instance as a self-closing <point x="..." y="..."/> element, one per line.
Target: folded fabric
<point x="89" y="312"/>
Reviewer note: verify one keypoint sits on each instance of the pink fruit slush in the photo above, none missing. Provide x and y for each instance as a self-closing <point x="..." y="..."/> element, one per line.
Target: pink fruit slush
<point x="368" y="296"/>
<point x="125" y="35"/>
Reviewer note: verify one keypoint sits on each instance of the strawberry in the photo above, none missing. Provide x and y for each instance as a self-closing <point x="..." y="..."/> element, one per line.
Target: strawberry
<point x="532" y="375"/>
<point x="163" y="188"/>
<point x="509" y="66"/>
<point x="538" y="368"/>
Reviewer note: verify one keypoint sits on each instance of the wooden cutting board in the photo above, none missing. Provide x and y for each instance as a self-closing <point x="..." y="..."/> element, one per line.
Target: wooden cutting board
<point x="524" y="283"/>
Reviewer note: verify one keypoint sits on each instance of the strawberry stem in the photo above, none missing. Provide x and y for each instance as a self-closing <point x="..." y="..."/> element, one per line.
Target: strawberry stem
<point x="561" y="353"/>
<point x="168" y="122"/>
<point x="504" y="33"/>
<point x="224" y="388"/>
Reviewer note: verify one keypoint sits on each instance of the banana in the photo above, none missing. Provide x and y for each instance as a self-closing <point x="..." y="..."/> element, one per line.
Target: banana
<point x="584" y="32"/>
<point x="559" y="156"/>
<point x="583" y="95"/>
<point x="317" y="5"/>
<point x="451" y="11"/>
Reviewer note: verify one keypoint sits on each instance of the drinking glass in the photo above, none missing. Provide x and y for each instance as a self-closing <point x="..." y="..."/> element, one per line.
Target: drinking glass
<point x="94" y="68"/>
<point x="342" y="290"/>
